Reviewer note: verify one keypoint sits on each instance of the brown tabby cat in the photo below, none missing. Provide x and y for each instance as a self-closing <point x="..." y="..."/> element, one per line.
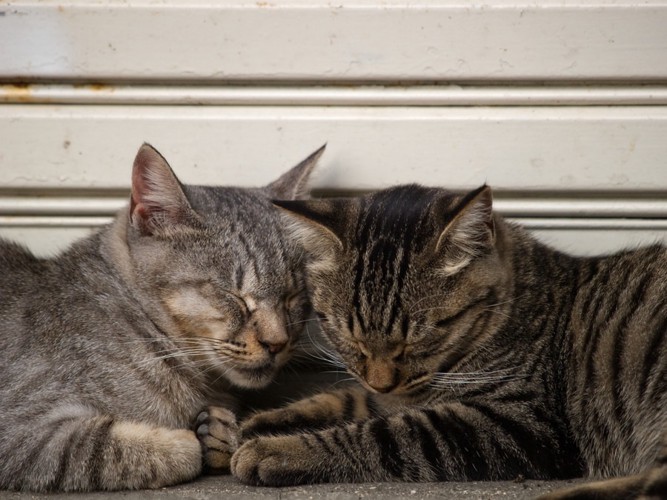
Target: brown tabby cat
<point x="110" y="350"/>
<point x="484" y="354"/>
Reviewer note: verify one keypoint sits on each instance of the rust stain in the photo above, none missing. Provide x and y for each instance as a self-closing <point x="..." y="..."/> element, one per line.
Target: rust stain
<point x="100" y="87"/>
<point x="95" y="87"/>
<point x="16" y="92"/>
<point x="19" y="92"/>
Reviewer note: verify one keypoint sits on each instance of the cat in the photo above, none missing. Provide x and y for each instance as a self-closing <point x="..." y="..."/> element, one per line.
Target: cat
<point x="481" y="354"/>
<point x="109" y="351"/>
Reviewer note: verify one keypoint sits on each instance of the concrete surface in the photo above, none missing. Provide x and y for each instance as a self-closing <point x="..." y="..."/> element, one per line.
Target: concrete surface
<point x="226" y="487"/>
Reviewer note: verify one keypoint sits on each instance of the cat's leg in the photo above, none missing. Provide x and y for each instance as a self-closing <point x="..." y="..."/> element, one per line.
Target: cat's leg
<point x="655" y="483"/>
<point x="87" y="453"/>
<point x="316" y="412"/>
<point x="648" y="485"/>
<point x="218" y="433"/>
<point x="447" y="442"/>
<point x="621" y="488"/>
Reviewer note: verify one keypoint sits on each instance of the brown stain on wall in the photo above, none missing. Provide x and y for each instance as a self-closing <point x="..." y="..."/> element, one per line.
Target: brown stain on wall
<point x="95" y="87"/>
<point x="26" y="93"/>
<point x="16" y="92"/>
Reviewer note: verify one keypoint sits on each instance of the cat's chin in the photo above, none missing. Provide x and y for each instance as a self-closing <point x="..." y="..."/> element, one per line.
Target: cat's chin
<point x="251" y="378"/>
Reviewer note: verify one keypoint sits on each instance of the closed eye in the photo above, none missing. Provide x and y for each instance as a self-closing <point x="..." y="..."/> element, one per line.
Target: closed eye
<point x="239" y="300"/>
<point x="400" y="356"/>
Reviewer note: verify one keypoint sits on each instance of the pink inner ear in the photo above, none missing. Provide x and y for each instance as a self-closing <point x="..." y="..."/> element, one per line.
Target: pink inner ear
<point x="139" y="211"/>
<point x="139" y="216"/>
<point x="133" y="204"/>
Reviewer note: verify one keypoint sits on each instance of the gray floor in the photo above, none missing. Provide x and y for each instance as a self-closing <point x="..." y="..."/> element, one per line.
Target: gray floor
<point x="224" y="487"/>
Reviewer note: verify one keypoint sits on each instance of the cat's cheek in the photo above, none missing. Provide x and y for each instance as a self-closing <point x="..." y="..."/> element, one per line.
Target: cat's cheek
<point x="274" y="461"/>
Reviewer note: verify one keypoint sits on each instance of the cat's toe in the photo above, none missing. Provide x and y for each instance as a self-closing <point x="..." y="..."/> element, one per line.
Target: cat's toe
<point x="218" y="434"/>
<point x="245" y="462"/>
<point x="275" y="461"/>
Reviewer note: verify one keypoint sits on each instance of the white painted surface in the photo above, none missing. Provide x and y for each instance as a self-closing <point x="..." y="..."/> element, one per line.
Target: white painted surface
<point x="560" y="105"/>
<point x="537" y="148"/>
<point x="366" y="95"/>
<point x="389" y="40"/>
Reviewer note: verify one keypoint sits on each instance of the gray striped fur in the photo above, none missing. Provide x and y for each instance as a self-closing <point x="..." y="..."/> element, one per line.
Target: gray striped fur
<point x="110" y="350"/>
<point x="482" y="353"/>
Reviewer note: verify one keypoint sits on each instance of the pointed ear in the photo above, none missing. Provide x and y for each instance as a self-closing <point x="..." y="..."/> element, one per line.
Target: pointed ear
<point x="319" y="225"/>
<point x="468" y="230"/>
<point x="157" y="201"/>
<point x="293" y="184"/>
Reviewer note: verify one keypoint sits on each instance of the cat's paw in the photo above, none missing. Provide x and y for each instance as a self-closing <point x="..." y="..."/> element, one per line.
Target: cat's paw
<point x="218" y="434"/>
<point x="274" y="461"/>
<point x="271" y="422"/>
<point x="152" y="457"/>
<point x="300" y="416"/>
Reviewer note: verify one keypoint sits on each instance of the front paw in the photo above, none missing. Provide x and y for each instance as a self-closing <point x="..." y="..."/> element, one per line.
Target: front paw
<point x="269" y="422"/>
<point x="218" y="434"/>
<point x="274" y="461"/>
<point x="301" y="416"/>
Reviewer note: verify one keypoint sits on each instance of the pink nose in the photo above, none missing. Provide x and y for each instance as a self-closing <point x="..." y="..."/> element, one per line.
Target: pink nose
<point x="382" y="388"/>
<point x="274" y="348"/>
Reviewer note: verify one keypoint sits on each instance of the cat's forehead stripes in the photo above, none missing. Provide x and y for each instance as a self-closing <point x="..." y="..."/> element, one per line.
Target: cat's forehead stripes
<point x="260" y="262"/>
<point x="393" y="225"/>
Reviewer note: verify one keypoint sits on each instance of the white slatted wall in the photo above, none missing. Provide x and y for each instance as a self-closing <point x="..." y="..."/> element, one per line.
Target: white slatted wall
<point x="561" y="106"/>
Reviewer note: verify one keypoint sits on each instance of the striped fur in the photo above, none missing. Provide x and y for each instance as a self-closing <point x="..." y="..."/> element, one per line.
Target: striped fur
<point x="109" y="351"/>
<point x="484" y="355"/>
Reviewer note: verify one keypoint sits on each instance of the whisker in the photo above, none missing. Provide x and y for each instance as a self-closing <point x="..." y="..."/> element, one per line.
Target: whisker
<point x="347" y="379"/>
<point x="324" y="354"/>
<point x="308" y="320"/>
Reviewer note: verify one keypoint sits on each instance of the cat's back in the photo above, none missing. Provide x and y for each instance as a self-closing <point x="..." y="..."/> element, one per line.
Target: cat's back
<point x="618" y="372"/>
<point x="16" y="259"/>
<point x="38" y="294"/>
<point x="19" y="272"/>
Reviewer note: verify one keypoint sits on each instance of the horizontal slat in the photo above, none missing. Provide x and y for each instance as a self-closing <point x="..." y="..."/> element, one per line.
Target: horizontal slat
<point x="48" y="221"/>
<point x="346" y="40"/>
<point x="607" y="149"/>
<point x="83" y="205"/>
<point x="423" y="95"/>
<point x="592" y="224"/>
<point x="27" y="205"/>
<point x="535" y="223"/>
<point x="599" y="241"/>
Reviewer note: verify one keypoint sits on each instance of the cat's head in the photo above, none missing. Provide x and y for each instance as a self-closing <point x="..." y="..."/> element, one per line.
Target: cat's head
<point x="405" y="281"/>
<point x="217" y="270"/>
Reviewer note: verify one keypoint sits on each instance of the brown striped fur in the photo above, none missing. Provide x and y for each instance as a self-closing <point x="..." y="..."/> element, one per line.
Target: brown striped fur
<point x="110" y="350"/>
<point x="483" y="354"/>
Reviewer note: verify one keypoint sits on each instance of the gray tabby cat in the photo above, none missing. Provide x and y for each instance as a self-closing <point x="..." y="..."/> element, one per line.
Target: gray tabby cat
<point x="485" y="355"/>
<point x="109" y="351"/>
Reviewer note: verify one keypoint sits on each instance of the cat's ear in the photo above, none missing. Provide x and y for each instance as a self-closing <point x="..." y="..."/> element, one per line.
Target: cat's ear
<point x="319" y="225"/>
<point x="157" y="201"/>
<point x="293" y="185"/>
<point x="467" y="230"/>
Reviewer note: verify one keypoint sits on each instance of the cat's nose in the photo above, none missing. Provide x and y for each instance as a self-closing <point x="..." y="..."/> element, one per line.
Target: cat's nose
<point x="381" y="375"/>
<point x="273" y="347"/>
<point x="382" y="387"/>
